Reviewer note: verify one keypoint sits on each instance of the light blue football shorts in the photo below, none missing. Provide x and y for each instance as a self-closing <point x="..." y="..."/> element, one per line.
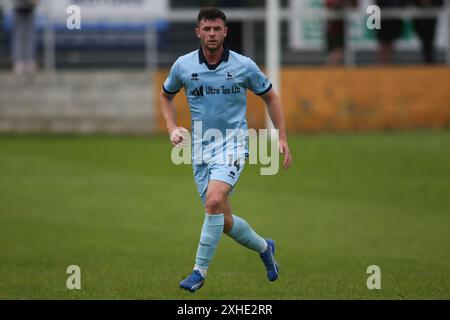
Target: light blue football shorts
<point x="205" y="172"/>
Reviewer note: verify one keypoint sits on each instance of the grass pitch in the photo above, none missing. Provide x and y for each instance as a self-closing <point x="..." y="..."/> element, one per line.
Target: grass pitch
<point x="118" y="208"/>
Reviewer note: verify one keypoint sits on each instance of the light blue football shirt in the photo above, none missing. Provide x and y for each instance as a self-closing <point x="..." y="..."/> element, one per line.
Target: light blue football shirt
<point x="217" y="94"/>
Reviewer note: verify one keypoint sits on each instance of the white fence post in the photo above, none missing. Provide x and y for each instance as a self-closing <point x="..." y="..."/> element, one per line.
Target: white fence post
<point x="273" y="48"/>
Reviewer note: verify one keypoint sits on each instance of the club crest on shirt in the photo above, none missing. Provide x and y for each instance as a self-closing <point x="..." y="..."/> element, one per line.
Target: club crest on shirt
<point x="229" y="74"/>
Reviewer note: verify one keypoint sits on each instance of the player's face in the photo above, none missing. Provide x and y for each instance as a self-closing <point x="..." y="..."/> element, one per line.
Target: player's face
<point x="212" y="33"/>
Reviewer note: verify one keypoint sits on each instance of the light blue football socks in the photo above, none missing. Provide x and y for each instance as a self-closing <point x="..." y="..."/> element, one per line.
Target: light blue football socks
<point x="243" y="234"/>
<point x="211" y="232"/>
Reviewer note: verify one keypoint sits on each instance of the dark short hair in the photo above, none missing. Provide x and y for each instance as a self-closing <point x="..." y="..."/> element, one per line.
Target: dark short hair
<point x="211" y="13"/>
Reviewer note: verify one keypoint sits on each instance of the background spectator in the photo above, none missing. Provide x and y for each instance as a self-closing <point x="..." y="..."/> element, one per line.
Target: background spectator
<point x="23" y="41"/>
<point x="336" y="31"/>
<point x="425" y="29"/>
<point x="391" y="29"/>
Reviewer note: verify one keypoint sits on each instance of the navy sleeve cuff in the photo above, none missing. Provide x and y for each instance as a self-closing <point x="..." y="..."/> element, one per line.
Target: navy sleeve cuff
<point x="265" y="91"/>
<point x="170" y="92"/>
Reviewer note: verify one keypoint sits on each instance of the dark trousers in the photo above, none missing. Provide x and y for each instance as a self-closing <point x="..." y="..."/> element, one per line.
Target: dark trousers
<point x="425" y="29"/>
<point x="23" y="41"/>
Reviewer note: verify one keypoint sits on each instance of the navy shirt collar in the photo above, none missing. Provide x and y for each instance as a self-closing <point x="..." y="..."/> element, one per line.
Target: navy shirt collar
<point x="224" y="57"/>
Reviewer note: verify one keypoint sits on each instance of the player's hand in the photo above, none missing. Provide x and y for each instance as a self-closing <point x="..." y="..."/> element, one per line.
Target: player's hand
<point x="178" y="135"/>
<point x="284" y="149"/>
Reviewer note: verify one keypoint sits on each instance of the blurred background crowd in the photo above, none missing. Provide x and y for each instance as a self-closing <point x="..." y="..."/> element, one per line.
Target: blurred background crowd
<point x="26" y="25"/>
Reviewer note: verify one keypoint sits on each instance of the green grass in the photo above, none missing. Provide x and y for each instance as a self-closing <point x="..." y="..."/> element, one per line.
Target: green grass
<point x="118" y="208"/>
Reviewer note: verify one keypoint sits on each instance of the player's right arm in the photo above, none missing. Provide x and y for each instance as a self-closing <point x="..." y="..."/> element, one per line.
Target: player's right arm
<point x="168" y="111"/>
<point x="171" y="86"/>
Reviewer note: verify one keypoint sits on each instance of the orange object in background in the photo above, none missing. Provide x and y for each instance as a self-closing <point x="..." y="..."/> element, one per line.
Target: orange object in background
<point x="350" y="99"/>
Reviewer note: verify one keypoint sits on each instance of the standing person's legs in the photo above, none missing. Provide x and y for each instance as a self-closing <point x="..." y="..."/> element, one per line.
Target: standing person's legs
<point x="425" y="29"/>
<point x="385" y="53"/>
<point x="29" y="42"/>
<point x="23" y="42"/>
<point x="391" y="30"/>
<point x="18" y="40"/>
<point x="335" y="42"/>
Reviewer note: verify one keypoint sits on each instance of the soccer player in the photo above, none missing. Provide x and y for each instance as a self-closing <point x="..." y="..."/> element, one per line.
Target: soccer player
<point x="215" y="80"/>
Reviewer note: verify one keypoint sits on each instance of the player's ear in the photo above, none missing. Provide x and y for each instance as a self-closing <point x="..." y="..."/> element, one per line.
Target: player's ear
<point x="226" y="31"/>
<point x="197" y="30"/>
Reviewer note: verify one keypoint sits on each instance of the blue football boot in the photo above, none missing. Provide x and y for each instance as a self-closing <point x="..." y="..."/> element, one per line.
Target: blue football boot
<point x="193" y="282"/>
<point x="268" y="259"/>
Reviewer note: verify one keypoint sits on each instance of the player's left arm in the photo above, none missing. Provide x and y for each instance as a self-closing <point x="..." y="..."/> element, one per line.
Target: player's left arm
<point x="273" y="105"/>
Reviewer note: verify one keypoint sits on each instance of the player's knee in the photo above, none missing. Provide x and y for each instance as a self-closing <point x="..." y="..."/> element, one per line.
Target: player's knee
<point x="214" y="203"/>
